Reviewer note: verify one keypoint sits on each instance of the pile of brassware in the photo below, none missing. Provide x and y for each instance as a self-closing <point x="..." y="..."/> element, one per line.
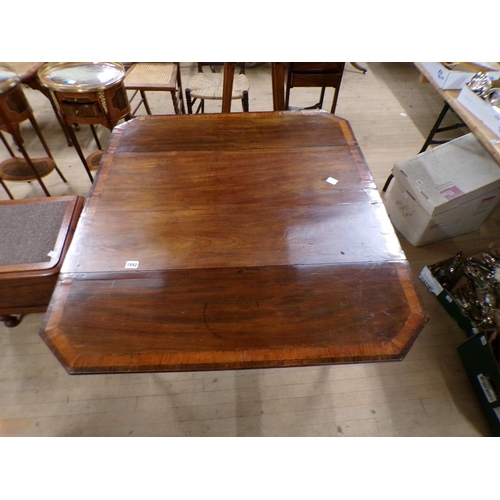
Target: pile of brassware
<point x="487" y="88"/>
<point x="474" y="283"/>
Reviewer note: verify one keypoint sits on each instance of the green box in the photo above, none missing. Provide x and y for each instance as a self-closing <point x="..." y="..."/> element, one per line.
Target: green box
<point x="478" y="358"/>
<point x="483" y="371"/>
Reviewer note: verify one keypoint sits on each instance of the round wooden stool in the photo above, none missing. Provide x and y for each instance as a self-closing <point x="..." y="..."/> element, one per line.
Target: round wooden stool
<point x="15" y="109"/>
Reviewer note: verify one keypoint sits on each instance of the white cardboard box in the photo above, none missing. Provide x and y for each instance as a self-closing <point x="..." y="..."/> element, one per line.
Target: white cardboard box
<point x="443" y="192"/>
<point x="482" y="110"/>
<point x="450" y="79"/>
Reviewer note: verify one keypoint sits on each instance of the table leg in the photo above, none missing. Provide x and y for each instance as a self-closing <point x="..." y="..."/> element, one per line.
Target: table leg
<point x="437" y="129"/>
<point x="10" y="321"/>
<point x="278" y="84"/>
<point x="79" y="151"/>
<point x="430" y="138"/>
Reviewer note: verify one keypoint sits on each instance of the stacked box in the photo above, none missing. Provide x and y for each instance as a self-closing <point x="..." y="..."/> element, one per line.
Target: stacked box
<point x="443" y="192"/>
<point x="487" y="114"/>
<point x="448" y="79"/>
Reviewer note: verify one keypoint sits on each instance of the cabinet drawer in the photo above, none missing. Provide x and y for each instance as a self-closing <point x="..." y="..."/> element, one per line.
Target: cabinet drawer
<point x="80" y="110"/>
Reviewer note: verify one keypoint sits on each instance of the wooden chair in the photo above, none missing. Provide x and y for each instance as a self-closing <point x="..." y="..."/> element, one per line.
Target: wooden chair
<point x="155" y="77"/>
<point x="315" y="74"/>
<point x="214" y="85"/>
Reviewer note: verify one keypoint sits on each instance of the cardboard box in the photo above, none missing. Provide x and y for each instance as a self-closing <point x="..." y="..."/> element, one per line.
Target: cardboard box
<point x="451" y="79"/>
<point x="481" y="109"/>
<point x="443" y="192"/>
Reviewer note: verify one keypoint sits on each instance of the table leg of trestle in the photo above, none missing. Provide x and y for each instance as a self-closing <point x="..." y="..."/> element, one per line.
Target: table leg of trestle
<point x="435" y="128"/>
<point x="387" y="182"/>
<point x="79" y="151"/>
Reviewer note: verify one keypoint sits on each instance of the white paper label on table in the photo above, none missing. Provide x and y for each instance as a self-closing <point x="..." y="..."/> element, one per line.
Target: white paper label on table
<point x="132" y="264"/>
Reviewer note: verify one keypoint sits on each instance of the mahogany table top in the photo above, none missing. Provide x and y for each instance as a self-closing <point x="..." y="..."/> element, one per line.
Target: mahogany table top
<point x="225" y="241"/>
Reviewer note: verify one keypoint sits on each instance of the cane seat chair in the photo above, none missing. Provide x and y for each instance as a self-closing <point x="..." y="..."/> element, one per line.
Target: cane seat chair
<point x="155" y="77"/>
<point x="208" y="84"/>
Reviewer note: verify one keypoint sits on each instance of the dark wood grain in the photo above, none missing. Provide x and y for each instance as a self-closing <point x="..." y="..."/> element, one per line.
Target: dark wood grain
<point x="247" y="256"/>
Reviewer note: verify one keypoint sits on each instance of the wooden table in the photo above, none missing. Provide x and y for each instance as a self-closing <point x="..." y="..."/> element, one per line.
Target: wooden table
<point x="483" y="133"/>
<point x="215" y="242"/>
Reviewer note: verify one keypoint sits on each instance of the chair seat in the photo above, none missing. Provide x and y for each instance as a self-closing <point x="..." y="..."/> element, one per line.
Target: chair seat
<point x="151" y="76"/>
<point x="210" y="86"/>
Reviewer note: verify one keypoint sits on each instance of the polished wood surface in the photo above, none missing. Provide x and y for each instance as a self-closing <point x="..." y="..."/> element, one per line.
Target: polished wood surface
<point x="489" y="140"/>
<point x="426" y="394"/>
<point x="246" y="256"/>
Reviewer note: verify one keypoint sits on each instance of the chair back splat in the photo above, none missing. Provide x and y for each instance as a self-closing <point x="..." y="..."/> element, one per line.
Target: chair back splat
<point x="210" y="83"/>
<point x="315" y="74"/>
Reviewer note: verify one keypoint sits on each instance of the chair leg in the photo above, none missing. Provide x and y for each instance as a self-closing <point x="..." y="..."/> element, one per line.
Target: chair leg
<point x="244" y="101"/>
<point x="189" y="102"/>
<point x="145" y="101"/>
<point x="175" y="101"/>
<point x="335" y="99"/>
<point x="321" y="97"/>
